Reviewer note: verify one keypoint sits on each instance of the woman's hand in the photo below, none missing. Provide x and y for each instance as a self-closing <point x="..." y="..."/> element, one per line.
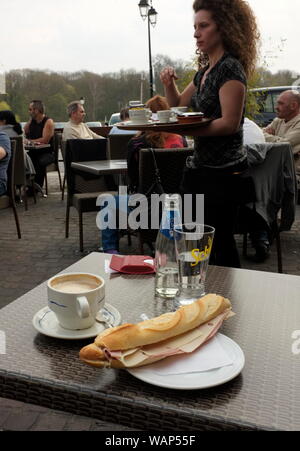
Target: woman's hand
<point x="167" y="76"/>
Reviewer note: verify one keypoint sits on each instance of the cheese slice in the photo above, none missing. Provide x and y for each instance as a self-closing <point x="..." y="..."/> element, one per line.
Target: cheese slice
<point x="185" y="343"/>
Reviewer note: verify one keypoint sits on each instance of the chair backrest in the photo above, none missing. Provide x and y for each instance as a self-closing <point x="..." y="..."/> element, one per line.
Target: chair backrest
<point x="117" y="146"/>
<point x="102" y="131"/>
<point x="84" y="150"/>
<point x="5" y="198"/>
<point x="57" y="144"/>
<point x="20" y="171"/>
<point x="275" y="181"/>
<point x="11" y="170"/>
<point x="170" y="162"/>
<point x="57" y="140"/>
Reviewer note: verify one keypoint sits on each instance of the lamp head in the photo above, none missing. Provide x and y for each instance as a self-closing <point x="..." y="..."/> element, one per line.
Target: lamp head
<point x="144" y="8"/>
<point x="152" y="14"/>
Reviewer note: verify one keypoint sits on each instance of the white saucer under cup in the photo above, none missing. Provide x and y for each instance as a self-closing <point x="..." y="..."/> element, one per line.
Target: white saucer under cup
<point x="45" y="322"/>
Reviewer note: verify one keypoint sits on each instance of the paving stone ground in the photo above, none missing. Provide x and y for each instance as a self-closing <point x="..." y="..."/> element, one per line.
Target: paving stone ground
<point x="44" y="251"/>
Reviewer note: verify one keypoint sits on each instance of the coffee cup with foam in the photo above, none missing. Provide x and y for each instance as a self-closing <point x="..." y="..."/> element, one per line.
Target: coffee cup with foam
<point x="76" y="298"/>
<point x="166" y="116"/>
<point x="139" y="115"/>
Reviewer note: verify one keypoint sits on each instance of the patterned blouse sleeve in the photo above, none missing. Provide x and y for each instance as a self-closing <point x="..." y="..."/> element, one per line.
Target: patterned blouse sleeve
<point x="231" y="69"/>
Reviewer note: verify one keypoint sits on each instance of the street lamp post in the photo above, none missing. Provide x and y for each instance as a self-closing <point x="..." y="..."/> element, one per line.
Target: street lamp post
<point x="147" y="11"/>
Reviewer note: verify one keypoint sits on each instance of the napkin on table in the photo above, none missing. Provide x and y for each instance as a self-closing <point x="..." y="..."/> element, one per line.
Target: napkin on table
<point x="208" y="357"/>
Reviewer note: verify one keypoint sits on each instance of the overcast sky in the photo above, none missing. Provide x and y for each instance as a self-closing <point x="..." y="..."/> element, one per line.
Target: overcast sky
<point x="109" y="35"/>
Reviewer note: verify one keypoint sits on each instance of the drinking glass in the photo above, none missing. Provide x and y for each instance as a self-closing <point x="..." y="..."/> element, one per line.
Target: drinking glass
<point x="193" y="248"/>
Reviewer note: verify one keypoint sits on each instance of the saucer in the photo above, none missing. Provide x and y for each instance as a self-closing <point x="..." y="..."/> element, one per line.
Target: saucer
<point x="45" y="322"/>
<point x="171" y="121"/>
<point x="137" y="124"/>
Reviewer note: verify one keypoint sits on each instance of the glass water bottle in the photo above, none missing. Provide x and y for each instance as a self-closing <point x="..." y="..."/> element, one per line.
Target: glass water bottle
<point x="166" y="280"/>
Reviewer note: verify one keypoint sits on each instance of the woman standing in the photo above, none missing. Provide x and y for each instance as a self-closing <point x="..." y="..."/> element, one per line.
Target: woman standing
<point x="226" y="36"/>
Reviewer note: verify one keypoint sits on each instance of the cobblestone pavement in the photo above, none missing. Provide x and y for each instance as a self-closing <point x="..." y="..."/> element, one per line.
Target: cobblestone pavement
<point x="43" y="251"/>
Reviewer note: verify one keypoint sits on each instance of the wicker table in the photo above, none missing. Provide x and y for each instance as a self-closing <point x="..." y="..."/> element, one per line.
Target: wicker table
<point x="104" y="167"/>
<point x="266" y="395"/>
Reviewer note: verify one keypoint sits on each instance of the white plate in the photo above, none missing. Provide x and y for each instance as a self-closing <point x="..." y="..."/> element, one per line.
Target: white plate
<point x="195" y="381"/>
<point x="45" y="322"/>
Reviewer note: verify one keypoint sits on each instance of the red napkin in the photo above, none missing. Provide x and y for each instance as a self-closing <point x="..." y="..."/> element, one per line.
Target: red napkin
<point x="132" y="264"/>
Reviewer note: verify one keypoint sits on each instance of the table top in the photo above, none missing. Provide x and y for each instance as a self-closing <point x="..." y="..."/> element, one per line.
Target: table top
<point x="37" y="146"/>
<point x="102" y="167"/>
<point x="266" y="395"/>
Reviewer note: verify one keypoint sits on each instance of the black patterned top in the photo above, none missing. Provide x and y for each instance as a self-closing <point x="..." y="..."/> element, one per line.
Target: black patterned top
<point x="217" y="151"/>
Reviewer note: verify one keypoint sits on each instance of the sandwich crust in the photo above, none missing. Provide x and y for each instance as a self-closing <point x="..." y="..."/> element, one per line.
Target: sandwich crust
<point x="159" y="329"/>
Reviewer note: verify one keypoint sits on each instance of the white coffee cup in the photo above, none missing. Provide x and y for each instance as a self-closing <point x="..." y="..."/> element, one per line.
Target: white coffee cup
<point x="76" y="298"/>
<point x="166" y="115"/>
<point x="139" y="115"/>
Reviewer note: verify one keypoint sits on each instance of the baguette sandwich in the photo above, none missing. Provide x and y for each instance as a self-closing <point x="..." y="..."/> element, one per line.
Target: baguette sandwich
<point x="182" y="331"/>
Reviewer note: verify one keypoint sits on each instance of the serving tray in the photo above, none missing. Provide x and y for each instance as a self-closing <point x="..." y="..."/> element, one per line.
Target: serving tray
<point x="172" y="127"/>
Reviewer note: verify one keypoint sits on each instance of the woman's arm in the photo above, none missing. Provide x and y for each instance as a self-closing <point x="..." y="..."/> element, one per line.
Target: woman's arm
<point x="232" y="98"/>
<point x="174" y="97"/>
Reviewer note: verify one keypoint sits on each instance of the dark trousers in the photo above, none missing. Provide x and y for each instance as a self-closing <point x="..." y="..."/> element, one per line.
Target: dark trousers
<point x="41" y="159"/>
<point x="222" y="196"/>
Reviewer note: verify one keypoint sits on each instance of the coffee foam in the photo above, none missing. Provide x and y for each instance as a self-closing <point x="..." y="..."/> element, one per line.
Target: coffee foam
<point x="75" y="283"/>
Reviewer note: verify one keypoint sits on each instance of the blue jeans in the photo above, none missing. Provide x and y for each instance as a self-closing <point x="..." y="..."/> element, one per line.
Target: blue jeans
<point x="110" y="236"/>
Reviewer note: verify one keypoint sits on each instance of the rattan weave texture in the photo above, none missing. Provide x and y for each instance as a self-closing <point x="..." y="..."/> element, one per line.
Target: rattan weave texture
<point x="46" y="371"/>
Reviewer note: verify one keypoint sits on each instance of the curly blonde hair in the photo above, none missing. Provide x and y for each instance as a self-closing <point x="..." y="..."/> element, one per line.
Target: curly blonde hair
<point x="237" y="25"/>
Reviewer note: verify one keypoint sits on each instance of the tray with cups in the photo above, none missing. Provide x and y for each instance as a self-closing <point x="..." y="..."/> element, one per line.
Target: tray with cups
<point x="76" y="308"/>
<point x="177" y="119"/>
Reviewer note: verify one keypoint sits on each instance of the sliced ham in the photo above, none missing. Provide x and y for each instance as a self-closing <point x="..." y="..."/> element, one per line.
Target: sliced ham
<point x="185" y="343"/>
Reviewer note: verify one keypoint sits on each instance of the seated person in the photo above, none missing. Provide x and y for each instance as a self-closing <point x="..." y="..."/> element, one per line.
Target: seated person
<point x="9" y="125"/>
<point x="4" y="160"/>
<point x="12" y="128"/>
<point x="124" y="116"/>
<point x="75" y="128"/>
<point x="286" y="126"/>
<point x="141" y="141"/>
<point x="40" y="129"/>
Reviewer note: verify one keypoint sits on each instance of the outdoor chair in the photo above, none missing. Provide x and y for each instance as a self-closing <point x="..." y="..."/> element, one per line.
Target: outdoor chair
<point x="11" y="186"/>
<point x="83" y="188"/>
<point x="171" y="163"/>
<point x="57" y="140"/>
<point x="21" y="179"/>
<point x="275" y="188"/>
<point x="117" y="146"/>
<point x="274" y="230"/>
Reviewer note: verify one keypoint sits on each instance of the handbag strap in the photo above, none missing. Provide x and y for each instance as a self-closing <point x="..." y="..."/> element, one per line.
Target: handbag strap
<point x="157" y="179"/>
